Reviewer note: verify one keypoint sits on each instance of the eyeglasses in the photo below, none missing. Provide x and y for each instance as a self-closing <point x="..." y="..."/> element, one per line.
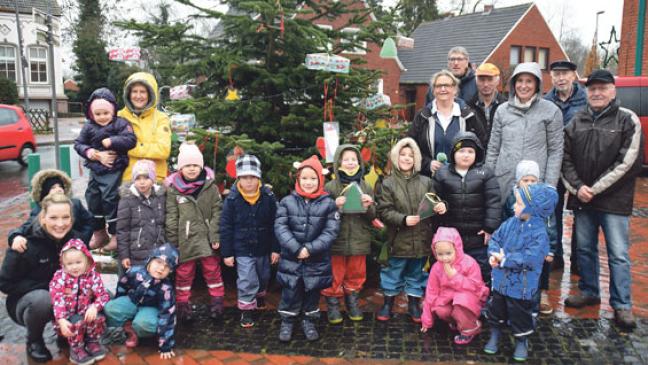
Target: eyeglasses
<point x="456" y="59"/>
<point x="441" y="86"/>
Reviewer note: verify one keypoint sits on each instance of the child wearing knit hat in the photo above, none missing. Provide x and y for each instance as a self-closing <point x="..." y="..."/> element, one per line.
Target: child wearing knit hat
<point x="193" y="209"/>
<point x="104" y="143"/>
<point x="247" y="236"/>
<point x="140" y="217"/>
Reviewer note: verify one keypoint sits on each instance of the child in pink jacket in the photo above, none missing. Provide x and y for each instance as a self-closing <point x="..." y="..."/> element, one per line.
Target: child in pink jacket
<point x="455" y="291"/>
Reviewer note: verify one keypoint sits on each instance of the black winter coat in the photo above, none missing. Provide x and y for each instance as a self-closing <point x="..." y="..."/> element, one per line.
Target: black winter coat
<point x="312" y="224"/>
<point x="120" y="132"/>
<point x="248" y="230"/>
<point x="480" y="115"/>
<point x="140" y="223"/>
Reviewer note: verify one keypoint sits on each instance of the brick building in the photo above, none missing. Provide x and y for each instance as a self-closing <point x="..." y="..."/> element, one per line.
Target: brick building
<point x="628" y="48"/>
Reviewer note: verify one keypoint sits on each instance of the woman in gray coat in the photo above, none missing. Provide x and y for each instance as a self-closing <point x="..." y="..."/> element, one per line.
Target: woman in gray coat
<point x="527" y="127"/>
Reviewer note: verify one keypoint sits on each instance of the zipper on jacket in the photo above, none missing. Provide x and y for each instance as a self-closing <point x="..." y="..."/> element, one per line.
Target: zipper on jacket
<point x="139" y="236"/>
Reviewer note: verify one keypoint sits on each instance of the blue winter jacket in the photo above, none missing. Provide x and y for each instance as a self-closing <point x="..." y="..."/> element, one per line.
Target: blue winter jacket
<point x="576" y="102"/>
<point x="119" y="131"/>
<point x="312" y="224"/>
<point x="525" y="244"/>
<point x="248" y="230"/>
<point x="144" y="290"/>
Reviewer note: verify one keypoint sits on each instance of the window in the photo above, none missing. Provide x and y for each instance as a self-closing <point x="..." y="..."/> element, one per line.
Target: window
<point x="516" y="52"/>
<point x="8" y="116"/>
<point x="351" y="33"/>
<point x="8" y="62"/>
<point x="328" y="47"/>
<point x="38" y="64"/>
<point x="529" y="54"/>
<point x="543" y="58"/>
<point x="630" y="97"/>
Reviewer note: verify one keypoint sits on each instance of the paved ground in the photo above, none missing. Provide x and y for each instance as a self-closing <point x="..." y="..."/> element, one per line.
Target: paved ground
<point x="568" y="336"/>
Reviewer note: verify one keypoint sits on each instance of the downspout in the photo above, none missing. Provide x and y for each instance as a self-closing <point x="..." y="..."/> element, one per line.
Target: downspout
<point x="641" y="26"/>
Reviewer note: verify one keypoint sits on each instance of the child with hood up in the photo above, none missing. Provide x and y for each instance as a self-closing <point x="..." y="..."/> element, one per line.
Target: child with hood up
<point x="145" y="302"/>
<point x="517" y="251"/>
<point x="78" y="296"/>
<point x="104" y="143"/>
<point x="306" y="225"/>
<point x="42" y="184"/>
<point x="398" y="199"/>
<point x="455" y="290"/>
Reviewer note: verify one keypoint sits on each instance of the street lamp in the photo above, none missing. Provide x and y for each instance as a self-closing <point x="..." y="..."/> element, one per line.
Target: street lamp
<point x="52" y="75"/>
<point x="596" y="29"/>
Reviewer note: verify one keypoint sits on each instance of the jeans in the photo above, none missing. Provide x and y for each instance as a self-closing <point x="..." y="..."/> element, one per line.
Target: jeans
<point x="615" y="229"/>
<point x="558" y="216"/>
<point x="122" y="309"/>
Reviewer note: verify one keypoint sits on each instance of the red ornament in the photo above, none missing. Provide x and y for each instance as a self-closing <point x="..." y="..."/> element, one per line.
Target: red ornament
<point x="366" y="154"/>
<point x="321" y="146"/>
<point x="230" y="168"/>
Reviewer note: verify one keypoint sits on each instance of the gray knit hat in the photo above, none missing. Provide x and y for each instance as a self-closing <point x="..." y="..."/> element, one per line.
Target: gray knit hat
<point x="248" y="165"/>
<point x="527" y="168"/>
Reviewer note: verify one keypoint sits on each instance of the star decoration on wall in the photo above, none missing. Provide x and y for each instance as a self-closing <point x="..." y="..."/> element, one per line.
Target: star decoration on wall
<point x="611" y="48"/>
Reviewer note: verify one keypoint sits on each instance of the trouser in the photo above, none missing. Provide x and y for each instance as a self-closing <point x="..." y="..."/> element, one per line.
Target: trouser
<point x="102" y="196"/>
<point x="349" y="274"/>
<point x="543" y="284"/>
<point x="480" y="254"/>
<point x="83" y="330"/>
<point x="120" y="310"/>
<point x="403" y="274"/>
<point x="558" y="214"/>
<point x="299" y="300"/>
<point x="33" y="311"/>
<point x="517" y="312"/>
<point x="252" y="281"/>
<point x="465" y="320"/>
<point x="186" y="272"/>
<point x="615" y="229"/>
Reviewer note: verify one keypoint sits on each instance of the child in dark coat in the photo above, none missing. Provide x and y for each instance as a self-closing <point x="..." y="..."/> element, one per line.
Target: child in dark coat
<point x="104" y="142"/>
<point x="307" y="223"/>
<point x="247" y="236"/>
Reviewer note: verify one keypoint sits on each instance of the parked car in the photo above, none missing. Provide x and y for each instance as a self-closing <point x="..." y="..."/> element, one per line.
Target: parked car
<point x="16" y="136"/>
<point x="632" y="92"/>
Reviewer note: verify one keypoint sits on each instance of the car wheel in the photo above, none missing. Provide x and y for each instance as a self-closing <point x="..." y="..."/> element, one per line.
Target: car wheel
<point x="24" y="152"/>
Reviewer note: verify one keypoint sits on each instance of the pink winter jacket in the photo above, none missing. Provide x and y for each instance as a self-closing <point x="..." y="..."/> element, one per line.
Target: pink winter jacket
<point x="72" y="295"/>
<point x="465" y="288"/>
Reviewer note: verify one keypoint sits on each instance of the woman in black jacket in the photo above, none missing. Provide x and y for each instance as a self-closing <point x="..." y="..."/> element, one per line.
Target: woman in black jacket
<point x="25" y="276"/>
<point x="472" y="194"/>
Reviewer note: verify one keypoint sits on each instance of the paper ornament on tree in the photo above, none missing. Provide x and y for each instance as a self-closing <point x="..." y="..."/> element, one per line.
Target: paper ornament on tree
<point x="232" y="94"/>
<point x="230" y="168"/>
<point x="376" y="101"/>
<point x="427" y="204"/>
<point x="365" y="152"/>
<point x="320" y="143"/>
<point x="372" y="177"/>
<point x="327" y="62"/>
<point x="353" y="195"/>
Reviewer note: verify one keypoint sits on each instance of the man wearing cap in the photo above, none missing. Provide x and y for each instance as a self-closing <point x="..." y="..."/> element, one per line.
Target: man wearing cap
<point x="570" y="97"/>
<point x="459" y="65"/>
<point x="487" y="99"/>
<point x="602" y="157"/>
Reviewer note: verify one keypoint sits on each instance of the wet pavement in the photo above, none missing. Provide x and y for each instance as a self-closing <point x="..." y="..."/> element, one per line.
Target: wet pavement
<point x="568" y="336"/>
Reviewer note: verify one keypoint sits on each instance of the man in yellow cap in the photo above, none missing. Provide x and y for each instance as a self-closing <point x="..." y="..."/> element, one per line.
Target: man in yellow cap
<point x="488" y="98"/>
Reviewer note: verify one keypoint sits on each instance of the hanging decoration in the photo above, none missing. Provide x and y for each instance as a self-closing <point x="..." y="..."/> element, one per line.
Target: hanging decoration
<point x="230" y="167"/>
<point x="232" y="92"/>
<point x="181" y="92"/>
<point x="327" y="62"/>
<point x="376" y="101"/>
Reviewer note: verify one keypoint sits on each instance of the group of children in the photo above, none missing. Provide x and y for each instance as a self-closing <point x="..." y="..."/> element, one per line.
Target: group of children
<point x="320" y="247"/>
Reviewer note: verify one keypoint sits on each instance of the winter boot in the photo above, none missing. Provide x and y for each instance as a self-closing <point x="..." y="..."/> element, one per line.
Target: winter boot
<point x="286" y="329"/>
<point x="99" y="239"/>
<point x="333" y="314"/>
<point x="261" y="304"/>
<point x="216" y="308"/>
<point x="521" y="351"/>
<point x="385" y="313"/>
<point x="414" y="308"/>
<point x="310" y="331"/>
<point x="247" y="319"/>
<point x="38" y="352"/>
<point x="353" y="309"/>
<point x="131" y="336"/>
<point x="493" y="342"/>
<point x="79" y="356"/>
<point x="185" y="313"/>
<point x="96" y="350"/>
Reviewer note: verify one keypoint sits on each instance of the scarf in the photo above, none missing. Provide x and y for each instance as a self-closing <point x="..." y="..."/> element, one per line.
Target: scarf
<point x="185" y="187"/>
<point x="250" y="198"/>
<point x="346" y="177"/>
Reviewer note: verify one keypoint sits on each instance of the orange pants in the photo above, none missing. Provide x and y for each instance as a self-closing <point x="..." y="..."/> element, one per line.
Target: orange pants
<point x="349" y="274"/>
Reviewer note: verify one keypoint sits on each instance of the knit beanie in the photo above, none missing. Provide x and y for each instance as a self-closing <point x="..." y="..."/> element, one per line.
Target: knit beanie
<point x="102" y="104"/>
<point x="248" y="165"/>
<point x="190" y="155"/>
<point x="527" y="168"/>
<point x="48" y="184"/>
<point x="144" y="167"/>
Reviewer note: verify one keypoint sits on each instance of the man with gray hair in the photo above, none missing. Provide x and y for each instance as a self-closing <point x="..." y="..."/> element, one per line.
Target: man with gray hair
<point x="459" y="65"/>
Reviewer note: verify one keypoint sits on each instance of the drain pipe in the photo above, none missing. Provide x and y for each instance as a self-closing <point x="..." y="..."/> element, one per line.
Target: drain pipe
<point x="641" y="26"/>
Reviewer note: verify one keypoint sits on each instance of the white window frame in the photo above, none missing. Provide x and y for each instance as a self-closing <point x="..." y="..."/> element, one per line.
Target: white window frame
<point x="7" y="60"/>
<point x="529" y="54"/>
<point x="543" y="57"/>
<point x="39" y="61"/>
<point x="512" y="61"/>
<point x="358" y="50"/>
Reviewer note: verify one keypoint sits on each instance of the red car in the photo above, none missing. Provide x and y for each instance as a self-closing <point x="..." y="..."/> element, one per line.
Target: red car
<point x="16" y="137"/>
<point x="632" y="92"/>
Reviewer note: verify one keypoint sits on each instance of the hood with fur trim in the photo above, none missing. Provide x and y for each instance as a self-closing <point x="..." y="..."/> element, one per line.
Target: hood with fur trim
<point x="539" y="199"/>
<point x="40" y="177"/>
<point x="131" y="190"/>
<point x="406" y="142"/>
<point x="449" y="234"/>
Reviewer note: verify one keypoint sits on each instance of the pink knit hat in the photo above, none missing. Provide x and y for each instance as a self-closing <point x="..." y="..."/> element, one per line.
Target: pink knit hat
<point x="190" y="155"/>
<point x="144" y="167"/>
<point x="102" y="104"/>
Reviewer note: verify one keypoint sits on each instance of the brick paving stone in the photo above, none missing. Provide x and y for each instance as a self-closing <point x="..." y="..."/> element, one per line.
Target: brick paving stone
<point x="249" y="357"/>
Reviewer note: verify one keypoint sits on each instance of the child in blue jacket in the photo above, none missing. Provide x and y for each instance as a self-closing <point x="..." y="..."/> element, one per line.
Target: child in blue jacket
<point x="516" y="253"/>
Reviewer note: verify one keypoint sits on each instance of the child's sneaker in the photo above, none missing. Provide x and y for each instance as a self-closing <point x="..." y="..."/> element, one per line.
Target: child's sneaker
<point x="463" y="339"/>
<point x="96" y="350"/>
<point x="261" y="304"/>
<point x="216" y="308"/>
<point x="79" y="356"/>
<point x="247" y="320"/>
<point x="521" y="351"/>
<point x="286" y="329"/>
<point x="131" y="335"/>
<point x="545" y="307"/>
<point x="309" y="330"/>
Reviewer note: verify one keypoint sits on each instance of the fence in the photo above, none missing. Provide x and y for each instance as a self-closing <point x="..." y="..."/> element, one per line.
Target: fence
<point x="39" y="120"/>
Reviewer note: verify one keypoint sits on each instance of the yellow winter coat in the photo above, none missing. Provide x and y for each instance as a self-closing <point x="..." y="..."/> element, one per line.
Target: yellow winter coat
<point x="151" y="126"/>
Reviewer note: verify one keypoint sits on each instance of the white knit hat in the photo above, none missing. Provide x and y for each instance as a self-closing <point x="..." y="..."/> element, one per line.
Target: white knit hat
<point x="527" y="168"/>
<point x="190" y="155"/>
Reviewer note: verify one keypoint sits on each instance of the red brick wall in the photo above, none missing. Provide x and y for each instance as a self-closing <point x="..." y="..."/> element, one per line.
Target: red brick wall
<point x="628" y="45"/>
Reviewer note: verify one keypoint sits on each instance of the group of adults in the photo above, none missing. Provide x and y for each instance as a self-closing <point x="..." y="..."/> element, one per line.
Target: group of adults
<point x="25" y="277"/>
<point x="584" y="141"/>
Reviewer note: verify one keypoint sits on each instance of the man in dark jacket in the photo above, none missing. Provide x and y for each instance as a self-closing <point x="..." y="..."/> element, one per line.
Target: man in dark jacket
<point x="487" y="99"/>
<point x="570" y="97"/>
<point x="603" y="154"/>
<point x="459" y="65"/>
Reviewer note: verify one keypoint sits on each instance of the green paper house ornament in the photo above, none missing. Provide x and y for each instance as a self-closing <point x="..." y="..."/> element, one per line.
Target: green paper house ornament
<point x="353" y="203"/>
<point x="427" y="204"/>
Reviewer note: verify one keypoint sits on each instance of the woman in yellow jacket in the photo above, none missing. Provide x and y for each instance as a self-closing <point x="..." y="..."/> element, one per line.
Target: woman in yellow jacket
<point x="151" y="126"/>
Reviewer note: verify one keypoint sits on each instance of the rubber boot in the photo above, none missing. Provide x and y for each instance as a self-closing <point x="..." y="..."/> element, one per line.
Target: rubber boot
<point x="414" y="308"/>
<point x="333" y="314"/>
<point x="353" y="309"/>
<point x="385" y="313"/>
<point x="493" y="342"/>
<point x="521" y="351"/>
